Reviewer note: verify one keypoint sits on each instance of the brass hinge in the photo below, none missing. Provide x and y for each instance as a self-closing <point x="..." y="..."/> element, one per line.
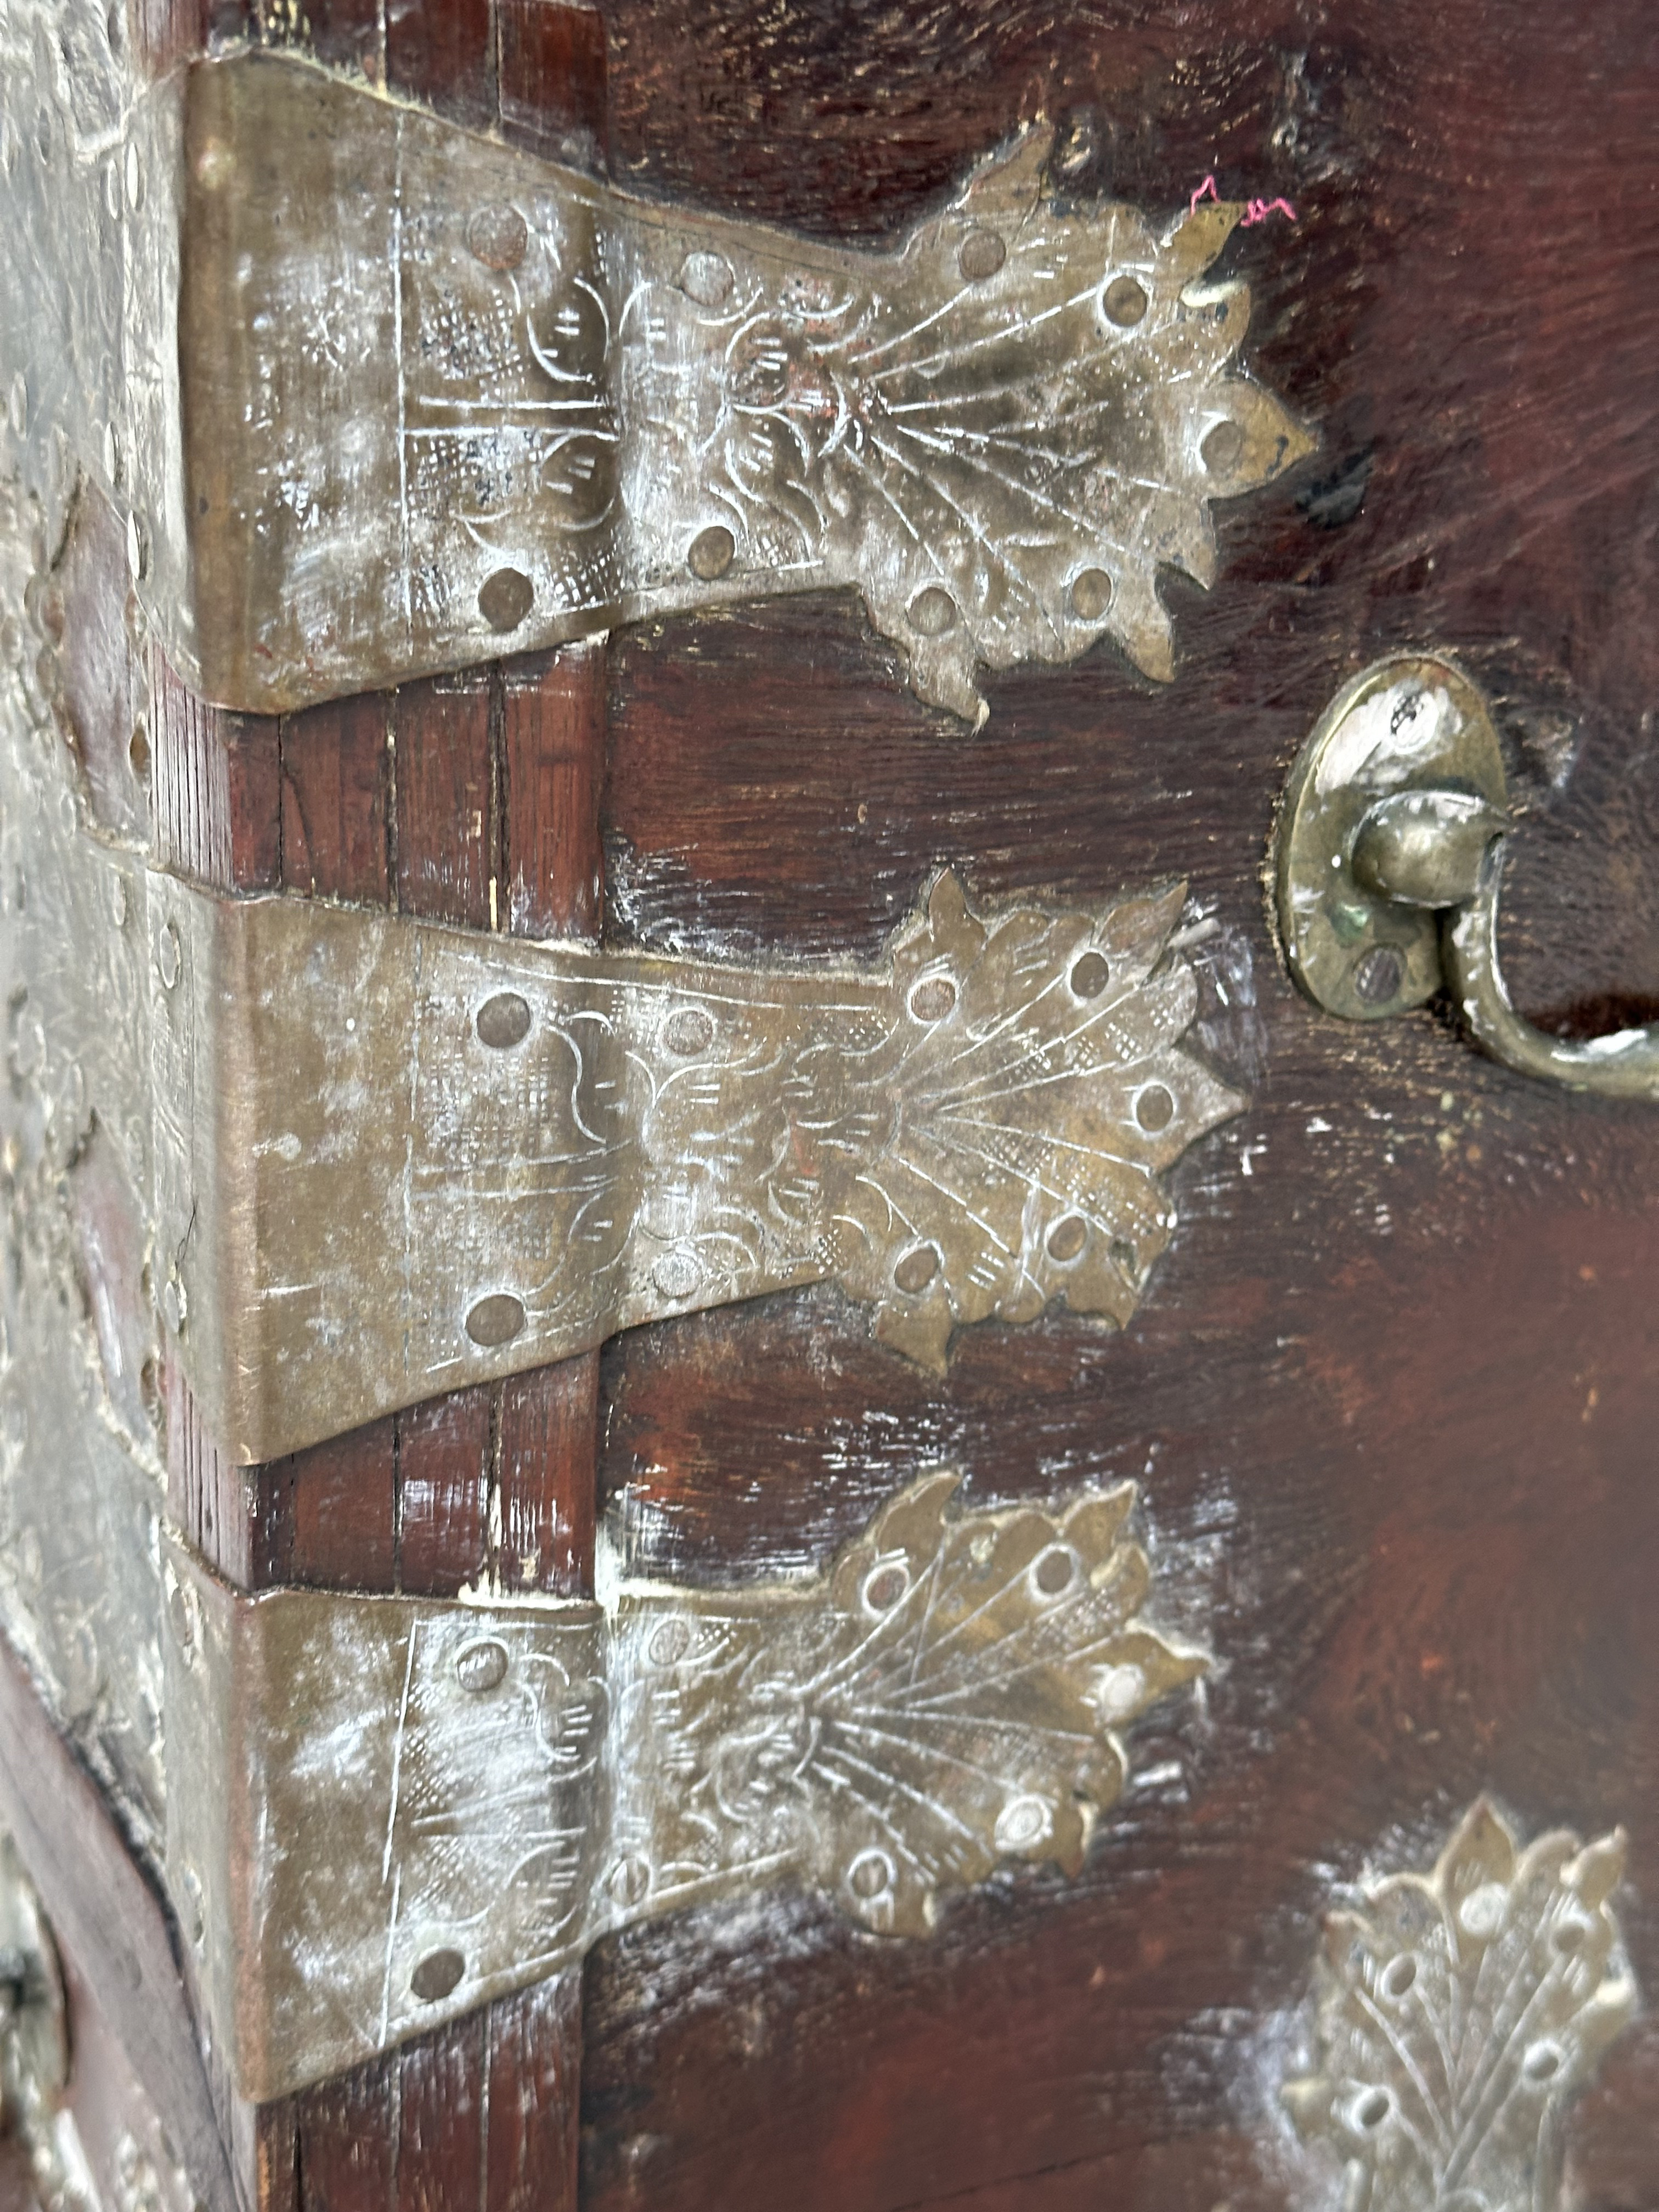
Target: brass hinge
<point x="381" y="1160"/>
<point x="381" y="1811"/>
<point x="379" y="395"/>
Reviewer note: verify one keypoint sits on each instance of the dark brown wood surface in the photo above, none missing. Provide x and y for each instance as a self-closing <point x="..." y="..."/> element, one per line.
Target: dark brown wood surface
<point x="1393" y="1397"/>
<point x="1392" y="1400"/>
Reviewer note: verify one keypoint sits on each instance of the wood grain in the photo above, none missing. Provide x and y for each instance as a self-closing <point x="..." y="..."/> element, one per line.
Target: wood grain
<point x="442" y="52"/>
<point x="337" y="765"/>
<point x="215" y="813"/>
<point x="447" y="820"/>
<point x="445" y="1464"/>
<point x="552" y="79"/>
<point x="1389" y="1399"/>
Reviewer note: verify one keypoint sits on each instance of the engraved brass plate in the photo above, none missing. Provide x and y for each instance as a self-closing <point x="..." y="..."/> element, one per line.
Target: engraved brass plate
<point x="383" y="1811"/>
<point x="381" y="1159"/>
<point x="381" y="397"/>
<point x="1458" y="2015"/>
<point x="406" y="1157"/>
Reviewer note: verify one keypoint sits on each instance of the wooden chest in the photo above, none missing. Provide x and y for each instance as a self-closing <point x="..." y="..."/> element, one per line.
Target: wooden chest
<point x="829" y="889"/>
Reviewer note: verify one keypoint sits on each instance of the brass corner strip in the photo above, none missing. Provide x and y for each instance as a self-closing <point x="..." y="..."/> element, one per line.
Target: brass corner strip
<point x="381" y="397"/>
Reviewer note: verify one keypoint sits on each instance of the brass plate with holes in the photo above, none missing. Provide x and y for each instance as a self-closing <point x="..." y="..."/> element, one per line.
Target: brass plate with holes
<point x="380" y="397"/>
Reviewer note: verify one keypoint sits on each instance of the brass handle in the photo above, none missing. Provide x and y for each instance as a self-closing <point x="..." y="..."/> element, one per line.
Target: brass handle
<point x="1391" y="844"/>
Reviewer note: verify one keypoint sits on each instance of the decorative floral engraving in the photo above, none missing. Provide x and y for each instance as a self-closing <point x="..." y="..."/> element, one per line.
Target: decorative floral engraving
<point x="953" y="1694"/>
<point x="1458" y="2015"/>
<point x="473" y="396"/>
<point x="497" y="1785"/>
<point x="1035" y="1087"/>
<point x="999" y="433"/>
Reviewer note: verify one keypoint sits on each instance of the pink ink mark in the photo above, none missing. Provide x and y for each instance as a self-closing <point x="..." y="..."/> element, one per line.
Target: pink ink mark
<point x="1255" y="210"/>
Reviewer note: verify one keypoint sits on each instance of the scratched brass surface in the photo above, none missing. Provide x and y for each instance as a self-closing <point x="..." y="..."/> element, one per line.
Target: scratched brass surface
<point x="1458" y="2013"/>
<point x="376" y="1159"/>
<point x="380" y="397"/>
<point x="381" y="1811"/>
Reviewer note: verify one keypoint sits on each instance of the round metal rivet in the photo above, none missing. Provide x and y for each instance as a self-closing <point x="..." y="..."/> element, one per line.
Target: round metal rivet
<point x="1091" y="975"/>
<point x="1091" y="594"/>
<point x="670" y="1642"/>
<point x="630" y="1882"/>
<point x="1054" y="1572"/>
<point x="982" y="255"/>
<point x="870" y="1876"/>
<point x="1125" y="301"/>
<point x="933" y="999"/>
<point x="916" y="1269"/>
<point x="495" y="1321"/>
<point x="932" y="613"/>
<point x="502" y="1021"/>
<point x="677" y="1275"/>
<point x="504" y="598"/>
<point x="496" y="236"/>
<point x="712" y="552"/>
<point x="1067" y="1237"/>
<point x="438" y="1976"/>
<point x="1378" y="974"/>
<point x="1022" y="1822"/>
<point x="707" y="278"/>
<point x="885" y="1588"/>
<point x="1399" y="1975"/>
<point x="482" y="1666"/>
<point x="1372" y="2108"/>
<point x="1154" y="1109"/>
<point x="687" y="1031"/>
<point x="138" y="753"/>
<point x="1221" y="448"/>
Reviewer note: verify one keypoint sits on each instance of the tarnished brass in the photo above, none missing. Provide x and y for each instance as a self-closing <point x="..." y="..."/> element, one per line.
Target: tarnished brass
<point x="371" y="1812"/>
<point x="382" y="1811"/>
<point x="1391" y="842"/>
<point x="382" y="1159"/>
<point x="1457" y="2015"/>
<point x="381" y="397"/>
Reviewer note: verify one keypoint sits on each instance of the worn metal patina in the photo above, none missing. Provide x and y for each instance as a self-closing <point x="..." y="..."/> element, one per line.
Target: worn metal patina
<point x="370" y="1813"/>
<point x="1458" y="2013"/>
<point x="382" y="1811"/>
<point x="381" y="397"/>
<point x="1391" y="844"/>
<point x="378" y="1159"/>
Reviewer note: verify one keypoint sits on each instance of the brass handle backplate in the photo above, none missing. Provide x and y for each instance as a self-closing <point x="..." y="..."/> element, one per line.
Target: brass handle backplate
<point x="1391" y="844"/>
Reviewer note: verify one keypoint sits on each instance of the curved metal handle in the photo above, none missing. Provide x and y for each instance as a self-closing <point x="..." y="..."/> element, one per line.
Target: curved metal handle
<point x="1391" y="845"/>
